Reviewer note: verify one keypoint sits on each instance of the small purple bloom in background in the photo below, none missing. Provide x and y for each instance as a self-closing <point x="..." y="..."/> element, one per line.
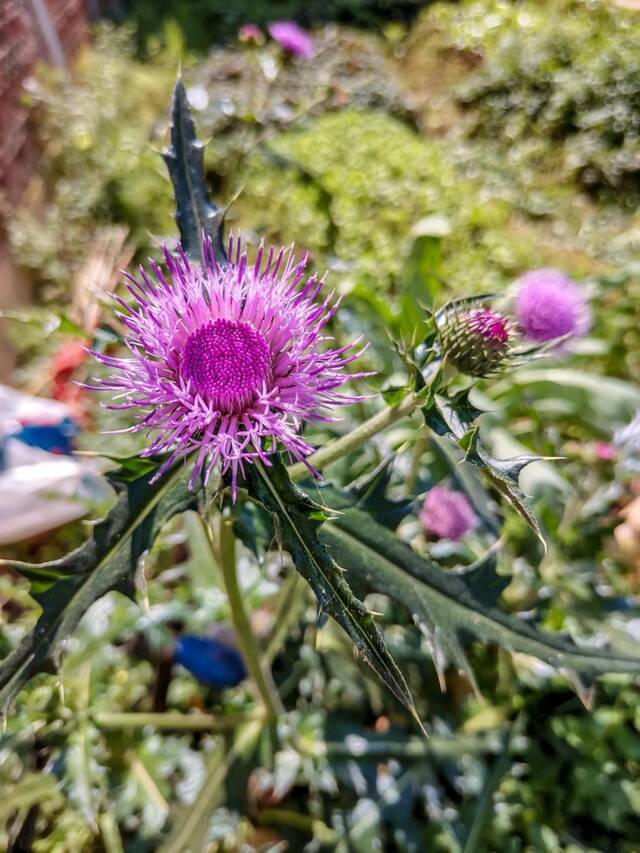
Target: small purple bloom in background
<point x="447" y="514"/>
<point x="550" y="305"/>
<point x="251" y="34"/>
<point x="228" y="362"/>
<point x="605" y="451"/>
<point x="292" y="38"/>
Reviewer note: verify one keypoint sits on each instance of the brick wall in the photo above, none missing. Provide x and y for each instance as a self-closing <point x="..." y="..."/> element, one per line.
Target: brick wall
<point x="22" y="44"/>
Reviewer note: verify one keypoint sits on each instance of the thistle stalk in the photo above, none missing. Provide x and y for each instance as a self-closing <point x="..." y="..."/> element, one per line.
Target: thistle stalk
<point x="222" y="543"/>
<point x="339" y="447"/>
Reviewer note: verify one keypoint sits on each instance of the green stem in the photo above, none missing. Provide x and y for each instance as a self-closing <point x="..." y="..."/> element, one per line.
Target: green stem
<point x="168" y="721"/>
<point x="337" y="448"/>
<point x="223" y="545"/>
<point x="306" y="823"/>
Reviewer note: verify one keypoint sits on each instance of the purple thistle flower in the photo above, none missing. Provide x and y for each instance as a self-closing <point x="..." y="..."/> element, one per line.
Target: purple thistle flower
<point x="550" y="305"/>
<point x="292" y="38"/>
<point x="447" y="514"/>
<point x="227" y="361"/>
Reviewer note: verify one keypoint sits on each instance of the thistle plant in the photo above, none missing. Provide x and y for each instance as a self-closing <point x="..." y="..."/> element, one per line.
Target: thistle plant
<point x="224" y="364"/>
<point x="228" y="360"/>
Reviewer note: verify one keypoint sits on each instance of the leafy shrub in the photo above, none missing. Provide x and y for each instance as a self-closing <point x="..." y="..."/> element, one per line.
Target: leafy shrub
<point x="563" y="72"/>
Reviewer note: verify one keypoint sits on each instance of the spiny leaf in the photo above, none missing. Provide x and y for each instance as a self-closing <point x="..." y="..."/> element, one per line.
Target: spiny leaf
<point x="450" y="604"/>
<point x="502" y="475"/>
<point x="195" y="212"/>
<point x="463" y="410"/>
<point x="467" y="478"/>
<point x="128" y="468"/>
<point x="66" y="588"/>
<point x="455" y="418"/>
<point x="293" y="510"/>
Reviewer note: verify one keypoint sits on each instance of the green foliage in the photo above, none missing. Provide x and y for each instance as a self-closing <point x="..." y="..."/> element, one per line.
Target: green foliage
<point x="557" y="71"/>
<point x="451" y="608"/>
<point x="359" y="161"/>
<point x="196" y="215"/>
<point x="298" y="521"/>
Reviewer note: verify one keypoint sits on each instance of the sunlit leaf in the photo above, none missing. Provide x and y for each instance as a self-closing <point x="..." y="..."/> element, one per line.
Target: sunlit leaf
<point x="195" y="212"/>
<point x="456" y="418"/>
<point x="452" y="607"/>
<point x="298" y="529"/>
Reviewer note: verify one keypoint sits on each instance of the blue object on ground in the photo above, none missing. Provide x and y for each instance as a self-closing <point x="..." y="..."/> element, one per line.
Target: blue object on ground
<point x="210" y="661"/>
<point x="55" y="437"/>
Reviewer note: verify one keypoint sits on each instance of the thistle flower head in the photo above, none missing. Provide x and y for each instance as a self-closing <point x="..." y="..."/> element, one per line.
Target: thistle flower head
<point x="292" y="38"/>
<point x="447" y="514"/>
<point x="475" y="340"/>
<point x="227" y="361"/>
<point x="550" y="305"/>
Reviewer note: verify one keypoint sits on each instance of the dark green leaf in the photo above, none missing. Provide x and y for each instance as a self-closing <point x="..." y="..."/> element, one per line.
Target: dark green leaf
<point x="294" y="512"/>
<point x="195" y="212"/>
<point x="451" y="607"/>
<point x="370" y="494"/>
<point x="466" y="478"/>
<point x="502" y="475"/>
<point x="66" y="588"/>
<point x="484" y="581"/>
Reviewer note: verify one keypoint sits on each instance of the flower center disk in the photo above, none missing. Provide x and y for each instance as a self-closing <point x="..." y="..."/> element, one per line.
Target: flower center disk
<point x="228" y="363"/>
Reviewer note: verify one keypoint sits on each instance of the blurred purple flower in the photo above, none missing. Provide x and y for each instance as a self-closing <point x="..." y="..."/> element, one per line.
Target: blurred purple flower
<point x="251" y="33"/>
<point x="550" y="305"/>
<point x="228" y="362"/>
<point x="605" y="451"/>
<point x="292" y="38"/>
<point x="447" y="514"/>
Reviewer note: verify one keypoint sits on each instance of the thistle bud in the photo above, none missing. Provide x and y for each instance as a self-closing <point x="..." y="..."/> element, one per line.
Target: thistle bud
<point x="475" y="340"/>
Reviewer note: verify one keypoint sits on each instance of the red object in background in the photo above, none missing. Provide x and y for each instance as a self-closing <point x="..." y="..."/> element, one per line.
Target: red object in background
<point x="64" y="389"/>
